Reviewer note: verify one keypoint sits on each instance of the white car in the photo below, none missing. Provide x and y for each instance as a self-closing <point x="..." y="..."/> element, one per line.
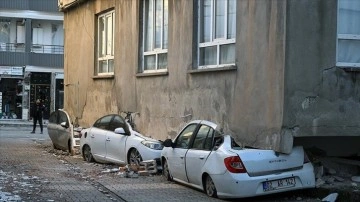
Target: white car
<point x="62" y="132"/>
<point x="111" y="139"/>
<point x="204" y="158"/>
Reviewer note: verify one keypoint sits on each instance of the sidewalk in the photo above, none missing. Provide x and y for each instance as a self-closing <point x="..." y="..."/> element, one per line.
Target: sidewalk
<point x="17" y="123"/>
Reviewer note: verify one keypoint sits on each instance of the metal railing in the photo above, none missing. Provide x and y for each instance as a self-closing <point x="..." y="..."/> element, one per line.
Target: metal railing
<point x="35" y="48"/>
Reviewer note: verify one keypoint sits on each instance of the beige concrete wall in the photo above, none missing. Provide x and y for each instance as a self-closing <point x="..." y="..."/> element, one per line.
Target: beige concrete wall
<point x="247" y="101"/>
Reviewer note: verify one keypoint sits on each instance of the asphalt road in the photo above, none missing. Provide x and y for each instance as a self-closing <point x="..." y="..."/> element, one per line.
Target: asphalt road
<point x="31" y="170"/>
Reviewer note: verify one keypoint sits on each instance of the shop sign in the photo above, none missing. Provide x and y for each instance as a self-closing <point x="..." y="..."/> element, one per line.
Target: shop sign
<point x="18" y="71"/>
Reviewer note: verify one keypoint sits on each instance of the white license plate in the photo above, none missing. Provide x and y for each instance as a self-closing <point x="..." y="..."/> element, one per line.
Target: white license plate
<point x="279" y="184"/>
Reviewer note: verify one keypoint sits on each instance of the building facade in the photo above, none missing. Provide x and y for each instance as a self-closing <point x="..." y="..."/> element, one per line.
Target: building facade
<point x="268" y="72"/>
<point x="31" y="57"/>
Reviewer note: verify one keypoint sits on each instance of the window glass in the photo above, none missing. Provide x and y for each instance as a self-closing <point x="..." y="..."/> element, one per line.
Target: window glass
<point x="227" y="54"/>
<point x="103" y="122"/>
<point x="105" y="43"/>
<point x="348" y="29"/>
<point x="53" y="117"/>
<point x="184" y="138"/>
<point x="217" y="32"/>
<point x="209" y="140"/>
<point x="220" y="18"/>
<point x="208" y="55"/>
<point x="117" y="122"/>
<point x="203" y="138"/>
<point x="205" y="20"/>
<point x="63" y="118"/>
<point x="155" y="34"/>
<point x="231" y="21"/>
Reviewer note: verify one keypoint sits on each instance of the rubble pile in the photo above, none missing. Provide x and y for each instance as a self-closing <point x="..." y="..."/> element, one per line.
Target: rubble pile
<point x="144" y="168"/>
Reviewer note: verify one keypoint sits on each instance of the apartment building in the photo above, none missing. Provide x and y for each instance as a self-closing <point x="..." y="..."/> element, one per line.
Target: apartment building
<point x="31" y="57"/>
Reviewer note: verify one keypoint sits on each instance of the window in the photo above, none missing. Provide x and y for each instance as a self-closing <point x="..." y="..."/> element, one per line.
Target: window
<point x="348" y="33"/>
<point x="103" y="122"/>
<point x="203" y="138"/>
<point x="155" y="35"/>
<point x="37" y="36"/>
<point x="105" y="43"/>
<point x="117" y="122"/>
<point x="216" y="33"/>
<point x="183" y="140"/>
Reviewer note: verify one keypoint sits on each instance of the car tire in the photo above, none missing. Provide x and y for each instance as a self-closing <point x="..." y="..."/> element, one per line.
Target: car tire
<point x="166" y="172"/>
<point x="134" y="157"/>
<point x="209" y="187"/>
<point x="87" y="154"/>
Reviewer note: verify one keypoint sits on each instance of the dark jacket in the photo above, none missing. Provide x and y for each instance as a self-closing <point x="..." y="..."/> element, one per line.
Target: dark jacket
<point x="38" y="110"/>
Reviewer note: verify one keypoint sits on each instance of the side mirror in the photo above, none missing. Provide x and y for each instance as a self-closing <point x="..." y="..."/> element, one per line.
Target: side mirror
<point x="63" y="124"/>
<point x="120" y="131"/>
<point x="168" y="143"/>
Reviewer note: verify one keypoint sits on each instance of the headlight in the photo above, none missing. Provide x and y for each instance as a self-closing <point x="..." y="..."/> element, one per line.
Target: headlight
<point x="152" y="145"/>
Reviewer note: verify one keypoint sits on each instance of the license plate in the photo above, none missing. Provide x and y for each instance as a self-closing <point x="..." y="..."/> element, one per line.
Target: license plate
<point x="279" y="184"/>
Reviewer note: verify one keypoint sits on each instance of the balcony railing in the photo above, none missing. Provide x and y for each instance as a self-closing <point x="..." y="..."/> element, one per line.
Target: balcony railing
<point x="35" y="48"/>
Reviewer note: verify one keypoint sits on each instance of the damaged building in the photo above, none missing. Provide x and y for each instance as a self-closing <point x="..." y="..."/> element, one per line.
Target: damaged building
<point x="273" y="73"/>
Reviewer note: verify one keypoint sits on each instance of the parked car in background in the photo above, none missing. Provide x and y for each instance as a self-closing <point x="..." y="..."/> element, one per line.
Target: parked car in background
<point x="203" y="157"/>
<point x="111" y="139"/>
<point x="62" y="132"/>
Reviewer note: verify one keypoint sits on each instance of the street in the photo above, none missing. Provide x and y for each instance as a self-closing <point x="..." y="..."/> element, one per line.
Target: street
<point x="31" y="170"/>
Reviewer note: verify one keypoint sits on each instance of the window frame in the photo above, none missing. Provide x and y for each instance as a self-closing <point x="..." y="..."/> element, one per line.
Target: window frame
<point x="107" y="57"/>
<point x="214" y="42"/>
<point x="154" y="51"/>
<point x="347" y="36"/>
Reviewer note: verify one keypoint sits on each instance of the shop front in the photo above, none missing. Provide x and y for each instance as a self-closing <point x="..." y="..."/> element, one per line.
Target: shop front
<point x="12" y="97"/>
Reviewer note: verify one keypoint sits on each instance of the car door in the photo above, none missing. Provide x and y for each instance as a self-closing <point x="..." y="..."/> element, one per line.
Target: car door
<point x="64" y="130"/>
<point x="115" y="143"/>
<point x="197" y="154"/>
<point x="52" y="127"/>
<point x="97" y="135"/>
<point x="176" y="157"/>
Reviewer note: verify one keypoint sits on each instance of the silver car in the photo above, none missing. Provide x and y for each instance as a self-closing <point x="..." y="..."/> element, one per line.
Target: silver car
<point x="203" y="157"/>
<point x="62" y="132"/>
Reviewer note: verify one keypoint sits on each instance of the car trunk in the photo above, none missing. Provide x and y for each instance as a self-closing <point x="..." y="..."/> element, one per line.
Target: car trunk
<point x="263" y="162"/>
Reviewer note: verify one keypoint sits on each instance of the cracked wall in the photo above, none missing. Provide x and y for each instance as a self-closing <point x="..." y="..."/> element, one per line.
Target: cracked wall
<point x="246" y="101"/>
<point x="321" y="100"/>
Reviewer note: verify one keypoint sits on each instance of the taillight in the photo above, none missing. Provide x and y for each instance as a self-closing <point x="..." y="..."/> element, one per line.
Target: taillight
<point x="234" y="164"/>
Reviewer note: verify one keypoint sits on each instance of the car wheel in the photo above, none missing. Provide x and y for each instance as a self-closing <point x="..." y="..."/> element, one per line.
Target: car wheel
<point x="87" y="154"/>
<point x="134" y="157"/>
<point x="166" y="172"/>
<point x="210" y="188"/>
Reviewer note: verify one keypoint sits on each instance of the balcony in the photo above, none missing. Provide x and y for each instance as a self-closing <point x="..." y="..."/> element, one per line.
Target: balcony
<point x="38" y="55"/>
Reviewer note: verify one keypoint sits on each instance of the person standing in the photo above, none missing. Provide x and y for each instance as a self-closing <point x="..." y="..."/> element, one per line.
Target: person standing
<point x="38" y="115"/>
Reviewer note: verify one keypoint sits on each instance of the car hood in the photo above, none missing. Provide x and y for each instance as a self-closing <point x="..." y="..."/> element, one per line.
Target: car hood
<point x="134" y="133"/>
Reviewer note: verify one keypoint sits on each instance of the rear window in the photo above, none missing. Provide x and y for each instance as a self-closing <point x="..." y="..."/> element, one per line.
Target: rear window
<point x="53" y="117"/>
<point x="235" y="145"/>
<point x="63" y="118"/>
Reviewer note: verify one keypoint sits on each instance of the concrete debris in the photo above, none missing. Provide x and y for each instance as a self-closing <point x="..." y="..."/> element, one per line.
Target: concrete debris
<point x="319" y="182"/>
<point x="339" y="179"/>
<point x="355" y="178"/>
<point x="319" y="171"/>
<point x="331" y="197"/>
<point x="144" y="168"/>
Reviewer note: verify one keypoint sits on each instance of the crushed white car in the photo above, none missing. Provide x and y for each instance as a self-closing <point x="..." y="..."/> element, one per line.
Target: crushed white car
<point x="111" y="139"/>
<point x="203" y="157"/>
<point x="63" y="134"/>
